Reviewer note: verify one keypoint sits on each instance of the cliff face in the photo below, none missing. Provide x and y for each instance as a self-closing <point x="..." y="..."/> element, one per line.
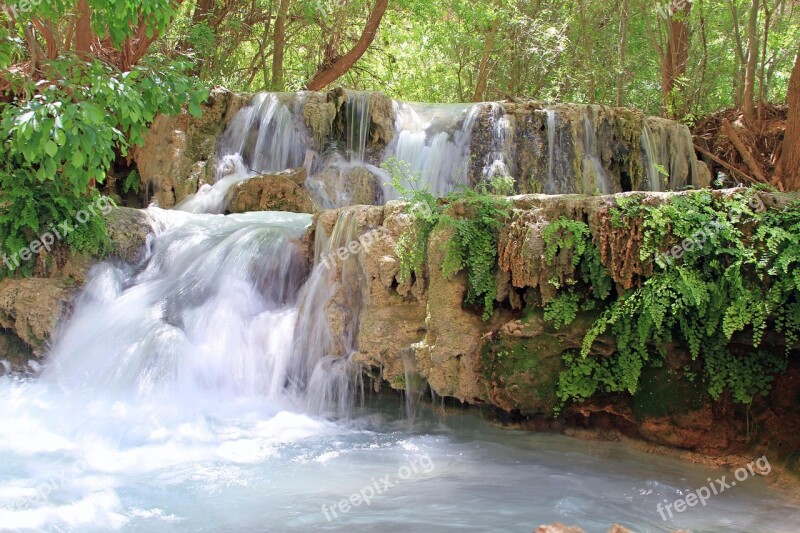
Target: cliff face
<point x="419" y="329"/>
<point x="561" y="148"/>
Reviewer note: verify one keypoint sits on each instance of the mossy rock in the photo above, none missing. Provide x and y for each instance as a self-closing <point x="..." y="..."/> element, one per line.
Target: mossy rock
<point x="523" y="373"/>
<point x="664" y="392"/>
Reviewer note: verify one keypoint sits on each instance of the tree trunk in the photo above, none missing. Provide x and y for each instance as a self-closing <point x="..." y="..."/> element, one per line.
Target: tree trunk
<point x="762" y="72"/>
<point x="622" y="48"/>
<point x="788" y="171"/>
<point x="752" y="62"/>
<point x="278" y="45"/>
<point x="83" y="29"/>
<point x="483" y="72"/>
<point x="674" y="63"/>
<point x="328" y="74"/>
<point x="202" y="11"/>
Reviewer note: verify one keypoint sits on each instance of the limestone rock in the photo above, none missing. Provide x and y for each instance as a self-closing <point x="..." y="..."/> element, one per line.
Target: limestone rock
<point x="271" y="192"/>
<point x="702" y="179"/>
<point x="14" y="354"/>
<point x="127" y="230"/>
<point x="179" y="153"/>
<point x="346" y="185"/>
<point x="31" y="308"/>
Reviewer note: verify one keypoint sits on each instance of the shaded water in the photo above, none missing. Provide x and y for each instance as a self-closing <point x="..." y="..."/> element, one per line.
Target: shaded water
<point x="91" y="461"/>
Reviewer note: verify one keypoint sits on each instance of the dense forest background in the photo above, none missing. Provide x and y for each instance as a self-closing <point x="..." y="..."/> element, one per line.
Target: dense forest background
<point x="684" y="59"/>
<point x="81" y="80"/>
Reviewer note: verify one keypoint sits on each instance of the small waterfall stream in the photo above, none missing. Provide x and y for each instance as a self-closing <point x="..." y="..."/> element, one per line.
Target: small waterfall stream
<point x="435" y="142"/>
<point x="595" y="177"/>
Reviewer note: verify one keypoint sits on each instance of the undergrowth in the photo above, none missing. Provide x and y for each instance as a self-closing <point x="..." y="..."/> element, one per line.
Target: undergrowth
<point x="722" y="272"/>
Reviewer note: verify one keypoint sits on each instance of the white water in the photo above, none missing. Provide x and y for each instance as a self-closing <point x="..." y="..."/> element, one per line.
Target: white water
<point x="550" y="186"/>
<point x="357" y="109"/>
<point x="652" y="160"/>
<point x="202" y="390"/>
<point x="435" y="142"/>
<point x="595" y="177"/>
<point x="97" y="461"/>
<point x="498" y="160"/>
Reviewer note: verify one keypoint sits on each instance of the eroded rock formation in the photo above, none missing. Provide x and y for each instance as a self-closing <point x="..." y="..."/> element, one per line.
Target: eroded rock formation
<point x="419" y="329"/>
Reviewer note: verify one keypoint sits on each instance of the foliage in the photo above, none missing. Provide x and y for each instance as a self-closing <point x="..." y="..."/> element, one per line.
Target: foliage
<point x="739" y="276"/>
<point x="473" y="246"/>
<point x="422" y="209"/>
<point x="563" y="309"/>
<point x="588" y="282"/>
<point x="64" y="137"/>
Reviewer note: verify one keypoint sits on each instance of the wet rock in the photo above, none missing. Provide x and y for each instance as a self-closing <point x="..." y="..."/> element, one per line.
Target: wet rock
<point x="31" y="308"/>
<point x="179" y="152"/>
<point x="271" y="192"/>
<point x="702" y="179"/>
<point x="14" y="354"/>
<point x="349" y="185"/>
<point x="128" y="230"/>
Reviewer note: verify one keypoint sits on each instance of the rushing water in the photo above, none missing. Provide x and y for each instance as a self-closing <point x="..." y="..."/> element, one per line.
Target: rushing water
<point x="94" y="460"/>
<point x="202" y="390"/>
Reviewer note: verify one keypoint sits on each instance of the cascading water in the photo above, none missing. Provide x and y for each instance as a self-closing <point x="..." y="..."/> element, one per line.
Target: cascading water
<point x="595" y="177"/>
<point x="266" y="136"/>
<point x="211" y="310"/>
<point x="209" y="387"/>
<point x="357" y="109"/>
<point x="550" y="186"/>
<point x="652" y="160"/>
<point x="499" y="158"/>
<point x="435" y="142"/>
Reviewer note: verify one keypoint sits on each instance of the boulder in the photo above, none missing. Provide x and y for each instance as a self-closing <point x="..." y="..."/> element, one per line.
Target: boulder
<point x="31" y="307"/>
<point x="271" y="192"/>
<point x="346" y="185"/>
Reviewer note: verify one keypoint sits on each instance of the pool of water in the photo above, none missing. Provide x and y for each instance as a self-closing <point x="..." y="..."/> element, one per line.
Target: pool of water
<point x="79" y="460"/>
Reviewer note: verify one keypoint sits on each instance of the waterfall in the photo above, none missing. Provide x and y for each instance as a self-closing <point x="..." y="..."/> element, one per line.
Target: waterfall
<point x="220" y="306"/>
<point x="357" y="111"/>
<point x="550" y="186"/>
<point x="333" y="289"/>
<point x="650" y="160"/>
<point x="268" y="135"/>
<point x="499" y="158"/>
<point x="435" y="142"/>
<point x="595" y="177"/>
<point x="211" y="309"/>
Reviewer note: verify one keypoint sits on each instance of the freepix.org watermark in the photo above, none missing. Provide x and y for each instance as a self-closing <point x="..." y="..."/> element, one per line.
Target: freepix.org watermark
<point x="365" y="241"/>
<point x="707" y="233"/>
<point x="53" y="483"/>
<point x="23" y="6"/>
<point x="418" y="466"/>
<point x="760" y="466"/>
<point x="101" y="206"/>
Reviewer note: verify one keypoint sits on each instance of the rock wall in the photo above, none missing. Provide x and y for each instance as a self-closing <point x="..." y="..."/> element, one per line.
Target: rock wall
<point x="558" y="148"/>
<point x="419" y="329"/>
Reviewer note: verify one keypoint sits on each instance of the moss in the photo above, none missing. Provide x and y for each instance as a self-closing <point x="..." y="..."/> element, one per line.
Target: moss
<point x="523" y="372"/>
<point x="664" y="392"/>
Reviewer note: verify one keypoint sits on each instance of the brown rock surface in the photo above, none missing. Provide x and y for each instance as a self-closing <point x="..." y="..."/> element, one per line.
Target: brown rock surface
<point x="271" y="192"/>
